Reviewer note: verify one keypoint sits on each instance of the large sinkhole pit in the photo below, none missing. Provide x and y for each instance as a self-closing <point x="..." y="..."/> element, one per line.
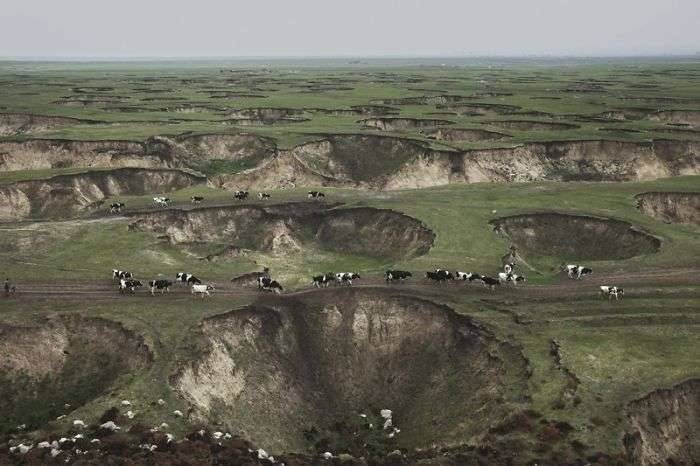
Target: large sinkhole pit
<point x="291" y="227"/>
<point x="665" y="426"/>
<point x="64" y="196"/>
<point x="70" y="360"/>
<point x="287" y="364"/>
<point x="671" y="207"/>
<point x="574" y="237"/>
<point x="398" y="124"/>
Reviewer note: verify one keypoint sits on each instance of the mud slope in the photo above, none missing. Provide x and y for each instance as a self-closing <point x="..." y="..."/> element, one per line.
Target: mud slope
<point x="21" y="123"/>
<point x="287" y="364"/>
<point x="677" y="117"/>
<point x="665" y="426"/>
<point x="37" y="154"/>
<point x="287" y="228"/>
<point x="532" y="125"/>
<point x="63" y="360"/>
<point x="66" y="195"/>
<point x="671" y="207"/>
<point x="465" y="135"/>
<point x="399" y="124"/>
<point x="575" y="237"/>
<point x="335" y="160"/>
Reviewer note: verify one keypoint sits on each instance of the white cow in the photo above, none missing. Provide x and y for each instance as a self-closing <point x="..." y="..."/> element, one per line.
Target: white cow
<point x="202" y="290"/>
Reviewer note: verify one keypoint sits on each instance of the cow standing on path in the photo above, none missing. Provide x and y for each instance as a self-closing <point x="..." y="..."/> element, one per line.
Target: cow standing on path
<point x="9" y="288"/>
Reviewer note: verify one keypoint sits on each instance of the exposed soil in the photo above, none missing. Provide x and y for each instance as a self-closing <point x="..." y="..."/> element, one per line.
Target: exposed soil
<point x="575" y="237"/>
<point x="63" y="196"/>
<point x="62" y="360"/>
<point x="265" y="115"/>
<point x="12" y="124"/>
<point x="671" y="207"/>
<point x="287" y="364"/>
<point x="480" y="109"/>
<point x="686" y="117"/>
<point x="399" y="124"/>
<point x="423" y="100"/>
<point x="285" y="228"/>
<point x="532" y="125"/>
<point x="465" y="135"/>
<point x="665" y="426"/>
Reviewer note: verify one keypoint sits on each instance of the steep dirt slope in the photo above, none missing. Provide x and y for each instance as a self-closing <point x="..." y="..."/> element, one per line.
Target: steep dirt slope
<point x="671" y="207"/>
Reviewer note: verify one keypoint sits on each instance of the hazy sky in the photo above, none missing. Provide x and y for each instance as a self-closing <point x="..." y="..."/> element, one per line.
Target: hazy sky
<point x="229" y="28"/>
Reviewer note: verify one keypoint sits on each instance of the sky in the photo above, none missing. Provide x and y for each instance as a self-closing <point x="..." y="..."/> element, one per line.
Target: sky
<point x="339" y="28"/>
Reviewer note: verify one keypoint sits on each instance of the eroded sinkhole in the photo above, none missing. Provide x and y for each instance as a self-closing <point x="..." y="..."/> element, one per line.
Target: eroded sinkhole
<point x="465" y="135"/>
<point x="671" y="207"/>
<point x="62" y="360"/>
<point x="283" y="365"/>
<point x="576" y="236"/>
<point x="290" y="227"/>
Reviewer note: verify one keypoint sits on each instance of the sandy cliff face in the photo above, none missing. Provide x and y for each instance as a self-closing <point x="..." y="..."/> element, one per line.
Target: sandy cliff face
<point x="671" y="207"/>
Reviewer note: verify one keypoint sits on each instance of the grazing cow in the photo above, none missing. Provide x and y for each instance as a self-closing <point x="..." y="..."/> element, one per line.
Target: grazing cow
<point x="392" y="275"/>
<point x="263" y="196"/>
<point x="268" y="284"/>
<point x="439" y="275"/>
<point x="491" y="282"/>
<point x="119" y="274"/>
<point x="116" y="208"/>
<point x="188" y="278"/>
<point x="128" y="284"/>
<point x="346" y="277"/>
<point x="323" y="280"/>
<point x="315" y="194"/>
<point x="464" y="276"/>
<point x="202" y="290"/>
<point x="162" y="285"/>
<point x="241" y="195"/>
<point x="577" y="271"/>
<point x="510" y="278"/>
<point x="161" y="201"/>
<point x="196" y="199"/>
<point x="611" y="291"/>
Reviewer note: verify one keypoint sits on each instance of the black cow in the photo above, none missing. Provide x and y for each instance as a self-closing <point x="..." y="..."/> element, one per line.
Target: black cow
<point x="188" y="278"/>
<point x="196" y="199"/>
<point x="116" y="208"/>
<point x="268" y="284"/>
<point x="129" y="285"/>
<point x="162" y="285"/>
<point x="439" y="275"/>
<point x="323" y="280"/>
<point x="315" y="194"/>
<point x="490" y="282"/>
<point x="263" y="196"/>
<point x="392" y="275"/>
<point x="241" y="195"/>
<point x="577" y="271"/>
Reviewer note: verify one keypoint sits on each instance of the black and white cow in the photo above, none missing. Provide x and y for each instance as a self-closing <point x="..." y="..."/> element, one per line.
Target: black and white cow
<point x="188" y="278"/>
<point x="323" y="280"/>
<point x="196" y="199"/>
<point x="346" y="278"/>
<point x="315" y="194"/>
<point x="577" y="271"/>
<point x="162" y="285"/>
<point x="611" y="291"/>
<point x="510" y="278"/>
<point x="439" y="275"/>
<point x="400" y="275"/>
<point x="119" y="274"/>
<point x="116" y="207"/>
<point x="491" y="282"/>
<point x="268" y="284"/>
<point x="161" y="201"/>
<point x="241" y="195"/>
<point x="129" y="284"/>
<point x="464" y="276"/>
<point x="263" y="196"/>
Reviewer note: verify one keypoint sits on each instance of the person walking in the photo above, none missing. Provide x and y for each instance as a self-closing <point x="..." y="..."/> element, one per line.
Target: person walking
<point x="7" y="287"/>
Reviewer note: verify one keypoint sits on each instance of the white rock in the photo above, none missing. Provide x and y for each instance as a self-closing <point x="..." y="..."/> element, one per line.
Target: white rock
<point x="262" y="454"/>
<point x="177" y="413"/>
<point x="62" y="416"/>
<point x="126" y="403"/>
<point x="217" y="435"/>
<point x="22" y="448"/>
<point x="79" y="423"/>
<point x="55" y="452"/>
<point x="164" y="425"/>
<point x="43" y="445"/>
<point x="385" y="413"/>
<point x="170" y="437"/>
<point x="62" y="440"/>
<point x="95" y="440"/>
<point x="327" y="455"/>
<point x="130" y="414"/>
<point x="78" y="436"/>
<point x="161" y="402"/>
